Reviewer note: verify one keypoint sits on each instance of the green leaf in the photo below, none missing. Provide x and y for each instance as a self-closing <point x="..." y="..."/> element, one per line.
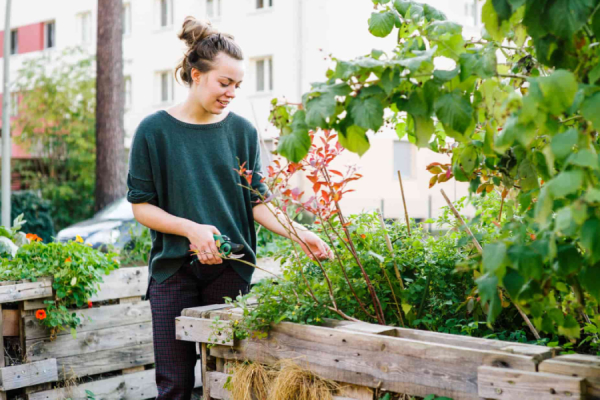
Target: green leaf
<point x="367" y="113"/>
<point x="562" y="144"/>
<point x="596" y="26"/>
<point x="294" y="146"/>
<point x="433" y="14"/>
<point x="444" y="75"/>
<point x="559" y="90"/>
<point x="590" y="238"/>
<point x="421" y="56"/>
<point x="528" y="176"/>
<point x="490" y="19"/>
<point x="454" y="110"/>
<point x="424" y="128"/>
<point x="592" y="195"/>
<point x="590" y="280"/>
<point x="468" y="159"/>
<point x="74" y="333"/>
<point x="503" y="9"/>
<point x="494" y="255"/>
<point x="543" y="206"/>
<point x="355" y="139"/>
<point x="319" y="109"/>
<point x="566" y="17"/>
<point x="566" y="183"/>
<point x="513" y="282"/>
<point x="591" y="109"/>
<point x="585" y="158"/>
<point x="482" y="64"/>
<point x="570" y="328"/>
<point x="488" y="290"/>
<point x="569" y="260"/>
<point x="382" y="24"/>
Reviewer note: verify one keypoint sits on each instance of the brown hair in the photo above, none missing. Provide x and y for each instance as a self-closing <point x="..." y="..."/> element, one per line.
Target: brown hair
<point x="204" y="44"/>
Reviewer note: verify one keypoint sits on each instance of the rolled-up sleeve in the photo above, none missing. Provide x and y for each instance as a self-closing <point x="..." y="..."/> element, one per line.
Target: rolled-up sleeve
<point x="257" y="181"/>
<point x="140" y="182"/>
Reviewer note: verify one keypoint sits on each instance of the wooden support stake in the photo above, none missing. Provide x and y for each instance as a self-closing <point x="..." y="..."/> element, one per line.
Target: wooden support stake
<point x="404" y="202"/>
<point x="2" y="364"/>
<point x="205" y="382"/>
<point x="391" y="249"/>
<point x="478" y="246"/>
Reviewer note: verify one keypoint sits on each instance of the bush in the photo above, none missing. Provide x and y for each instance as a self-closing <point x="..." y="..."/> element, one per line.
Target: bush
<point x="36" y="212"/>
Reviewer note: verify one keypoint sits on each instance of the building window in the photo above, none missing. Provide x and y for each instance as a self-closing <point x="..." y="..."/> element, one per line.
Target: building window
<point x="49" y="35"/>
<point x="213" y="8"/>
<point x="472" y="11"/>
<point x="128" y="94"/>
<point x="166" y="87"/>
<point x="260" y="4"/>
<point x="165" y="12"/>
<point x="85" y="27"/>
<point x="402" y="159"/>
<point x="127" y="19"/>
<point x="264" y="74"/>
<point x="14" y="42"/>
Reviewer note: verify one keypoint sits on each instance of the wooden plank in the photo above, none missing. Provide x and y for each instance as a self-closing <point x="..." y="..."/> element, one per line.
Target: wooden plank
<point x="201" y="330"/>
<point x="202" y="312"/>
<point x="507" y="384"/>
<point x="133" y="370"/>
<point x="133" y="299"/>
<point x="2" y="362"/>
<point x="370" y="328"/>
<point x="123" y="282"/>
<point x="105" y="361"/>
<point x="101" y="318"/>
<point x="35" y="304"/>
<point x="10" y="320"/>
<point x="23" y="375"/>
<point x="579" y="365"/>
<point x="25" y="291"/>
<point x="400" y="365"/>
<point x="89" y="342"/>
<point x="540" y="352"/>
<point x="204" y="372"/>
<point x="140" y="385"/>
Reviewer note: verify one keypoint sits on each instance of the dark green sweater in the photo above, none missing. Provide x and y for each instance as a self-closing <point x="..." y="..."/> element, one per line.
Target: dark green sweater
<point x="188" y="171"/>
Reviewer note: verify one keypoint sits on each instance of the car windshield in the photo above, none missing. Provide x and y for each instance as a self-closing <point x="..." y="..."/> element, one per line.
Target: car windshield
<point x="120" y="209"/>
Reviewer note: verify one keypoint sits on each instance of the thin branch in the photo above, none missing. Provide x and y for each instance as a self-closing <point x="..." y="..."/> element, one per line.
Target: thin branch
<point x="404" y="202"/>
<point x="391" y="250"/>
<point x="513" y="76"/>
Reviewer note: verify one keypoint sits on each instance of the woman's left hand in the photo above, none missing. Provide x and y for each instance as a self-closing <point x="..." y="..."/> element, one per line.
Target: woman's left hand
<point x="314" y="245"/>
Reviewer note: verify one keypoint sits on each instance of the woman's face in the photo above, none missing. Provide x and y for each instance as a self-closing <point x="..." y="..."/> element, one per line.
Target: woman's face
<point x="216" y="89"/>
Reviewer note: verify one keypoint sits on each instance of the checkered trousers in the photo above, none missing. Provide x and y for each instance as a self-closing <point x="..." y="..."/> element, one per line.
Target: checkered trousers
<point x="193" y="285"/>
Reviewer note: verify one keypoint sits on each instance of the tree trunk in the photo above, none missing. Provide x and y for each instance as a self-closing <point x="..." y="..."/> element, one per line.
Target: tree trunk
<point x="110" y="102"/>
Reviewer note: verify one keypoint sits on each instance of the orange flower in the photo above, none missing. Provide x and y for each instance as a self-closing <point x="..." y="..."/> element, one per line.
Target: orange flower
<point x="363" y="236"/>
<point x="68" y="260"/>
<point x="40" y="314"/>
<point x="33" y="237"/>
<point x="90" y="304"/>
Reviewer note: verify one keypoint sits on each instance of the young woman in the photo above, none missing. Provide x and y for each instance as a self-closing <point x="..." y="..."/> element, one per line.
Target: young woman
<point x="183" y="186"/>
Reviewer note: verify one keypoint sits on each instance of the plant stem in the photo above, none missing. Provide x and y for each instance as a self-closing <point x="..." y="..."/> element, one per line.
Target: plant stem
<point x="404" y="202"/>
<point x="393" y="294"/>
<point x="462" y="221"/>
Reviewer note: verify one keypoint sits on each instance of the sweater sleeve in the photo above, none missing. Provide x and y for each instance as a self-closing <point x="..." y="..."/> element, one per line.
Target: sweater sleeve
<point x="140" y="182"/>
<point x="257" y="178"/>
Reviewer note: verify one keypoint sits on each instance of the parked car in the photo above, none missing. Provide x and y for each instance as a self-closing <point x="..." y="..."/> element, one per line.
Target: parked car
<point x="110" y="225"/>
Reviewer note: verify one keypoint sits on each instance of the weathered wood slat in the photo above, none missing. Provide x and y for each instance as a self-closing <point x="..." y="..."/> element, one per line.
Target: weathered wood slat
<point x="579" y="365"/>
<point x="541" y="352"/>
<point x="201" y="330"/>
<point x="399" y="365"/>
<point x="23" y="375"/>
<point x="89" y="342"/>
<point x="105" y="361"/>
<point x="203" y="311"/>
<point x="10" y="326"/>
<point x="101" y="317"/>
<point x="25" y="291"/>
<point x="140" y="385"/>
<point x="123" y="282"/>
<point x="507" y="384"/>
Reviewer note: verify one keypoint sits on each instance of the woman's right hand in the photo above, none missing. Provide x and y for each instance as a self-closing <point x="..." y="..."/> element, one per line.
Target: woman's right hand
<point x="201" y="238"/>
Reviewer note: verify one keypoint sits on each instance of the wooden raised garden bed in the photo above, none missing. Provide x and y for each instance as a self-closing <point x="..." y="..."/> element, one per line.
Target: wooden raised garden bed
<point x="113" y="352"/>
<point x="378" y="358"/>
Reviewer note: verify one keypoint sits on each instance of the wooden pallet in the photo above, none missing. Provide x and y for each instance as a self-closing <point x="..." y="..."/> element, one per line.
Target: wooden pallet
<point x="407" y="361"/>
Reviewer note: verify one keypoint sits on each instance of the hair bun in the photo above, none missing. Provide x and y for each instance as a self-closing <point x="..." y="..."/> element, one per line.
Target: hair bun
<point x="194" y="31"/>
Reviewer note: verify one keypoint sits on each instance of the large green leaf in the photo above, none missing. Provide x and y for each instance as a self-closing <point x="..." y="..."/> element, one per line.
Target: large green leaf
<point x="585" y="158"/>
<point x="596" y="24"/>
<point x="591" y="109"/>
<point x="566" y="183"/>
<point x="590" y="279"/>
<point x="381" y="24"/>
<point x="294" y="146"/>
<point x="570" y="328"/>
<point x="355" y="139"/>
<point x="528" y="176"/>
<point x="565" y="17"/>
<point x="503" y="9"/>
<point x="488" y="290"/>
<point x="319" y="109"/>
<point x="543" y="206"/>
<point x="367" y="112"/>
<point x="454" y="110"/>
<point x="562" y="144"/>
<point x="559" y="90"/>
<point x="421" y="56"/>
<point x="494" y="255"/>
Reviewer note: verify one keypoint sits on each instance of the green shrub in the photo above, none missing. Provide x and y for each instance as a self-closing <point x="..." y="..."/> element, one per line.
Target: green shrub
<point x="36" y="212"/>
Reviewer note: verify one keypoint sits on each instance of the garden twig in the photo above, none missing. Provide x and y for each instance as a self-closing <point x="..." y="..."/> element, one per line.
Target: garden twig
<point x="404" y="202"/>
<point x="391" y="249"/>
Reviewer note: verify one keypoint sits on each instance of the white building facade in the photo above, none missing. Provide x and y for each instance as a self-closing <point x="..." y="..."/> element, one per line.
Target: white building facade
<point x="285" y="43"/>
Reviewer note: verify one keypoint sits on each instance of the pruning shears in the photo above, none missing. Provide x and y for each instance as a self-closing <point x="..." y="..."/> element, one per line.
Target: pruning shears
<point x="227" y="248"/>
